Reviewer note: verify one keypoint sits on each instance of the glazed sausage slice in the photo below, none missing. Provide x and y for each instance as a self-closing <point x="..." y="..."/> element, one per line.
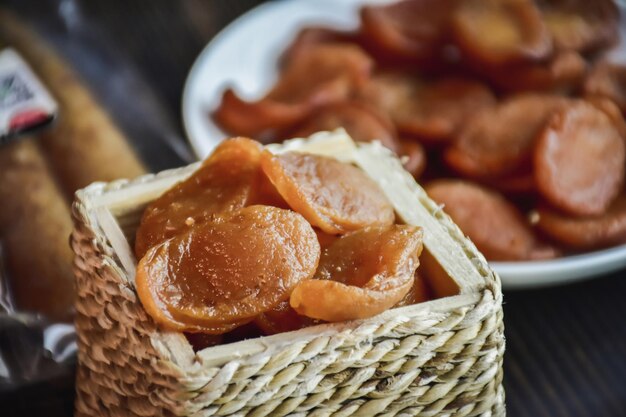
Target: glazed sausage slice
<point x="225" y="272"/>
<point x="581" y="25"/>
<point x="496" y="32"/>
<point x="430" y="110"/>
<point x="226" y="181"/>
<point x="340" y="69"/>
<point x="363" y="273"/>
<point x="362" y="122"/>
<point x="499" y="141"/>
<point x="495" y="226"/>
<point x="392" y="92"/>
<point x="440" y="107"/>
<point x="609" y="108"/>
<point x="333" y="196"/>
<point x="325" y="64"/>
<point x="406" y="31"/>
<point x="564" y="72"/>
<point x="264" y="118"/>
<point x="584" y="233"/>
<point x="311" y="37"/>
<point x="579" y="160"/>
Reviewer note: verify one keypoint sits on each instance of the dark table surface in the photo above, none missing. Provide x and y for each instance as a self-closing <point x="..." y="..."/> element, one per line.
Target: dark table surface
<point x="566" y="346"/>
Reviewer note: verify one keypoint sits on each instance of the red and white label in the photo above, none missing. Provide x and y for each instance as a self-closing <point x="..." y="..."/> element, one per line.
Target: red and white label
<point x="25" y="104"/>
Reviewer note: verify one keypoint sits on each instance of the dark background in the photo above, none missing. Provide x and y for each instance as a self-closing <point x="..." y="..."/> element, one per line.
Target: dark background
<point x="566" y="346"/>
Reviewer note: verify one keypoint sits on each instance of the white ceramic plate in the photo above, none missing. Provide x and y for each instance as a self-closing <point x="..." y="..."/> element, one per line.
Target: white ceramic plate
<point x="245" y="55"/>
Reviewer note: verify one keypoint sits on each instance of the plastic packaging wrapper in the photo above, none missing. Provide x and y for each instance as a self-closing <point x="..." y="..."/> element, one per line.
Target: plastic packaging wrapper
<point x="34" y="348"/>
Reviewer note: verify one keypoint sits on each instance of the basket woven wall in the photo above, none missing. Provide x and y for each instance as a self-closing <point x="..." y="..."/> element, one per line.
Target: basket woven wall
<point x="440" y="358"/>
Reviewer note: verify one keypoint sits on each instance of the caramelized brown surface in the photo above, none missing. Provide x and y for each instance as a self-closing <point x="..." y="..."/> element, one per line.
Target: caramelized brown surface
<point x="429" y="110"/>
<point x="500" y="141"/>
<point x="441" y="107"/>
<point x="361" y="122"/>
<point x="311" y="37"/>
<point x="361" y="274"/>
<point x="339" y="69"/>
<point x="224" y="182"/>
<point x="585" y="232"/>
<point x="581" y="25"/>
<point x="579" y="160"/>
<point x="563" y="72"/>
<point x="261" y="118"/>
<point x="391" y="92"/>
<point x="495" y="226"/>
<point x="407" y="31"/>
<point x="225" y="272"/>
<point x="331" y="195"/>
<point x="496" y="32"/>
<point x="611" y="109"/>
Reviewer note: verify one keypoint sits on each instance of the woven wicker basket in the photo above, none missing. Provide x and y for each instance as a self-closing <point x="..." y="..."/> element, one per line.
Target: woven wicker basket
<point x="439" y="358"/>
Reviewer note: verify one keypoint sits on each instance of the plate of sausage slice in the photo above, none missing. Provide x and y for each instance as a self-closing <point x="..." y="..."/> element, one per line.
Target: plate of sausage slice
<point x="520" y="137"/>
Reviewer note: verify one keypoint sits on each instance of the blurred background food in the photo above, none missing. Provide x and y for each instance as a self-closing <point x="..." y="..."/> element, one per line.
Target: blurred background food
<point x="512" y="102"/>
<point x="35" y="227"/>
<point x="83" y="146"/>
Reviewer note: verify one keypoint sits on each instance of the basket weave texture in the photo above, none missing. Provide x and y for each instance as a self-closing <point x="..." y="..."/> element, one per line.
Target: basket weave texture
<point x="435" y="359"/>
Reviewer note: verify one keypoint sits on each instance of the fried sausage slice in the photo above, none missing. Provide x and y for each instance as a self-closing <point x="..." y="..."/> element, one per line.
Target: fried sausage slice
<point x="499" y="141"/>
<point x="433" y="110"/>
<point x="564" y="72"/>
<point x="362" y="122"/>
<point x="263" y="119"/>
<point x="311" y="37"/>
<point x="496" y="227"/>
<point x="609" y="108"/>
<point x="407" y="31"/>
<point x="579" y="160"/>
<point x="224" y="182"/>
<point x="440" y="107"/>
<point x="584" y="233"/>
<point x="340" y="69"/>
<point x="225" y="272"/>
<point x="391" y="92"/>
<point x="581" y="25"/>
<point x="497" y="32"/>
<point x="333" y="196"/>
<point x="361" y="274"/>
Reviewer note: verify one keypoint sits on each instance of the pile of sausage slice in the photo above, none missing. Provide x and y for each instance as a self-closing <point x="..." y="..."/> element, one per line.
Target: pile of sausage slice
<point x="507" y="111"/>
